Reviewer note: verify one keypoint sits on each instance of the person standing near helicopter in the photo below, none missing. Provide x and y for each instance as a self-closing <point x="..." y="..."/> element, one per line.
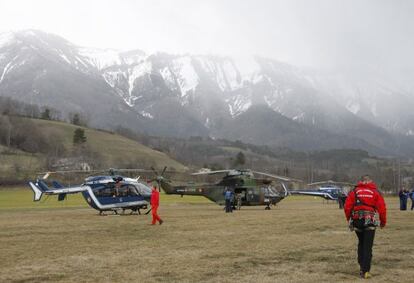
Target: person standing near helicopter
<point x="155" y="202"/>
<point x="229" y="198"/>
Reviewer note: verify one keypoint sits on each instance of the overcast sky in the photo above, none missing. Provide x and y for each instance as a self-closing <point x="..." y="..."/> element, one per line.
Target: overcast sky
<point x="317" y="33"/>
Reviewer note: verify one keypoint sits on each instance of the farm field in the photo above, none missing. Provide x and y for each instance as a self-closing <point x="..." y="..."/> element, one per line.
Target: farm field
<point x="300" y="240"/>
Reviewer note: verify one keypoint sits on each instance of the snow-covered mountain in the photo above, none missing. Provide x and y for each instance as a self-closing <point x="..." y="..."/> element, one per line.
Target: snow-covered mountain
<point x="190" y="95"/>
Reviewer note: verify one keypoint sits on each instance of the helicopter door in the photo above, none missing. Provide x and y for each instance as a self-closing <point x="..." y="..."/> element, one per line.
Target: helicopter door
<point x="250" y="195"/>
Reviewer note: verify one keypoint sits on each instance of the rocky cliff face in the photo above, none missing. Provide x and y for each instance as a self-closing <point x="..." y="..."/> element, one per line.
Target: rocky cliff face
<point x="196" y="95"/>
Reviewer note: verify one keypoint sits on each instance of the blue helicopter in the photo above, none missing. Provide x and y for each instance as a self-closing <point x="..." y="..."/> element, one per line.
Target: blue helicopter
<point x="103" y="193"/>
<point x="328" y="190"/>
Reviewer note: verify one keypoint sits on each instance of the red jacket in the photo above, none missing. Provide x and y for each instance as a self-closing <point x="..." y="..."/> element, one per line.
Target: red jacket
<point x="155" y="198"/>
<point x="371" y="200"/>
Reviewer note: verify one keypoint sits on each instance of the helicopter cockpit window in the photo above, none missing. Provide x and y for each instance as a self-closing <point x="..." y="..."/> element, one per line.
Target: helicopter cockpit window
<point x="143" y="190"/>
<point x="103" y="191"/>
<point x="127" y="190"/>
<point x="270" y="191"/>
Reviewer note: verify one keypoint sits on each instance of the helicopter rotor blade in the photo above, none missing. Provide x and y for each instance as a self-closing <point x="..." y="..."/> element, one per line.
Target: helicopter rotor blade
<point x="211" y="172"/>
<point x="329" y="182"/>
<point x="155" y="171"/>
<point x="45" y="176"/>
<point x="286" y="179"/>
<point x="163" y="171"/>
<point x="285" y="189"/>
<point x="70" y="171"/>
<point x="132" y="170"/>
<point x="157" y="175"/>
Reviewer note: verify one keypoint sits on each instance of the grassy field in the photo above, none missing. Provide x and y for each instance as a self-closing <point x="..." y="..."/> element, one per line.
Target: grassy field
<point x="300" y="240"/>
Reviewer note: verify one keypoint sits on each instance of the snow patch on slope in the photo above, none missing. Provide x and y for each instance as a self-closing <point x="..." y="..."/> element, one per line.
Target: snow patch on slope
<point x="113" y="77"/>
<point x="222" y="71"/>
<point x="146" y="114"/>
<point x="168" y="78"/>
<point x="187" y="77"/>
<point x="136" y="72"/>
<point x="247" y="67"/>
<point x="133" y="57"/>
<point x="232" y="75"/>
<point x="8" y="68"/>
<point x="63" y="56"/>
<point x="101" y="58"/>
<point x="6" y="38"/>
<point x="238" y="104"/>
<point x="271" y="101"/>
<point x="299" y="118"/>
<point x="353" y="107"/>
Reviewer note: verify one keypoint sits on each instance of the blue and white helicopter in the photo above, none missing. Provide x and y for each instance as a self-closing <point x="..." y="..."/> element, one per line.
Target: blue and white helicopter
<point x="328" y="190"/>
<point x="103" y="193"/>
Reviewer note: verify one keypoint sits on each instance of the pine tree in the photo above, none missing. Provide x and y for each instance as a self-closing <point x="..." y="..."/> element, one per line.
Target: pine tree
<point x="79" y="136"/>
<point x="240" y="159"/>
<point x="76" y="119"/>
<point x="46" y="114"/>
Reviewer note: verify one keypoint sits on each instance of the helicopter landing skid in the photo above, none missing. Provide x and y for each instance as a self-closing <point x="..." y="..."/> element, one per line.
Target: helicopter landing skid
<point x="131" y="213"/>
<point x="135" y="212"/>
<point x="102" y="213"/>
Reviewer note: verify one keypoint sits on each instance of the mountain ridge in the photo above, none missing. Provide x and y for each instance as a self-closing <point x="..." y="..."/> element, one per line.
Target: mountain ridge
<point x="181" y="95"/>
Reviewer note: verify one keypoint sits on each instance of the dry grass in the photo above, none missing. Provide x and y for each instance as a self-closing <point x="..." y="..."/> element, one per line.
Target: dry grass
<point x="113" y="148"/>
<point x="301" y="240"/>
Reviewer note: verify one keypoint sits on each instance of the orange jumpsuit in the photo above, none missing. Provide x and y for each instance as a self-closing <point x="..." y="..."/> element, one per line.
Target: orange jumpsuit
<point x="155" y="202"/>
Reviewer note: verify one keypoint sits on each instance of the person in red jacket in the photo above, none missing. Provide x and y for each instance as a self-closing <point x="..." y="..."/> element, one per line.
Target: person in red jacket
<point x="360" y="207"/>
<point x="155" y="202"/>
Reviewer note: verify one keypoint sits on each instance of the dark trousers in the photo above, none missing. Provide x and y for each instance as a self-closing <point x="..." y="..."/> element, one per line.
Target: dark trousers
<point x="365" y="242"/>
<point x="412" y="204"/>
<point x="228" y="206"/>
<point x="341" y="201"/>
<point x="403" y="204"/>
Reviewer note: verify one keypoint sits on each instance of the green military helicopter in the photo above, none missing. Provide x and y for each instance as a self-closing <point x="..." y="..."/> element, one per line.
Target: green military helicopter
<point x="248" y="189"/>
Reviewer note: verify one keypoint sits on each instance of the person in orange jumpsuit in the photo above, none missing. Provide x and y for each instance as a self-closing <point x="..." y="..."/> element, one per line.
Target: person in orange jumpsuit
<point x="155" y="202"/>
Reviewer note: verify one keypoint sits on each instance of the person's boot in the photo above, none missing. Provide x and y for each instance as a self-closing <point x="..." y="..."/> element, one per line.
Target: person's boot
<point x="367" y="275"/>
<point x="161" y="221"/>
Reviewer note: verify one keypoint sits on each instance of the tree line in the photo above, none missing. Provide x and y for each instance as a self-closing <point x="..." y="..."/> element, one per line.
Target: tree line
<point x="339" y="164"/>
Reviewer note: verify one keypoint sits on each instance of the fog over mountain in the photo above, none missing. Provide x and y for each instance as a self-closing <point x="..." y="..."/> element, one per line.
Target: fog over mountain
<point x="272" y="103"/>
<point x="342" y="77"/>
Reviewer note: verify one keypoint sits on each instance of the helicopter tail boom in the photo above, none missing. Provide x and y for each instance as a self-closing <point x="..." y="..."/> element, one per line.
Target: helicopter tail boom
<point x="40" y="188"/>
